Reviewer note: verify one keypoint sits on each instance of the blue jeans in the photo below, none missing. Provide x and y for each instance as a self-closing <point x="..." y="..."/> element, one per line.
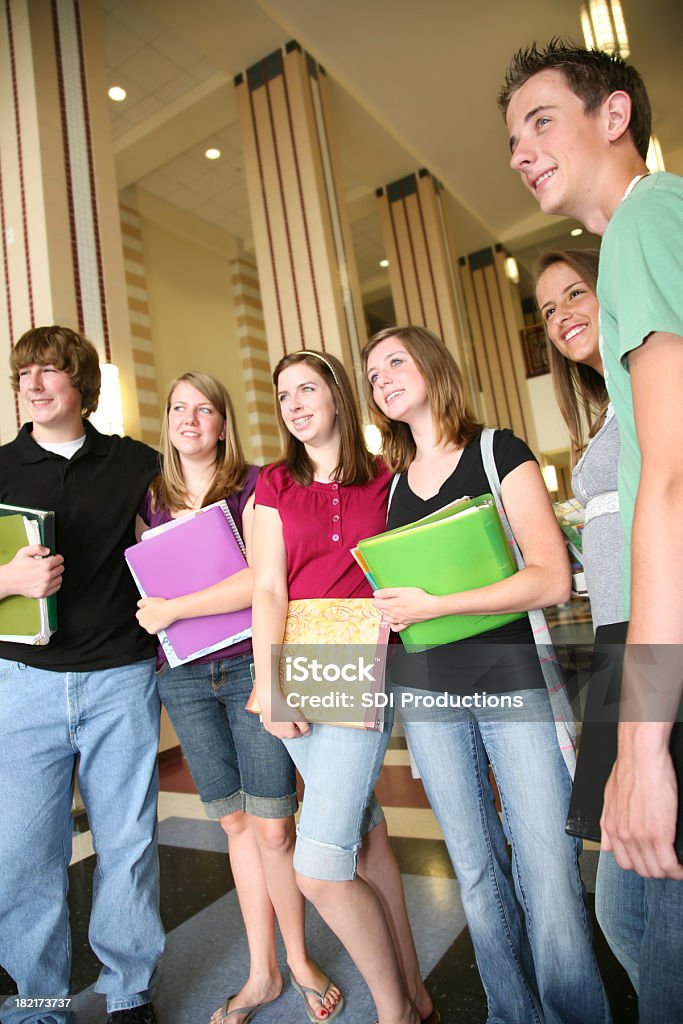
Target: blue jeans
<point x="642" y="919"/>
<point x="235" y="763"/>
<point x="527" y="919"/>
<point x="340" y="767"/>
<point x="111" y="718"/>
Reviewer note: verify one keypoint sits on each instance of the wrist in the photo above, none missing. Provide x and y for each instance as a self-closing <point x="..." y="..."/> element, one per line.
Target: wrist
<point x="644" y="738"/>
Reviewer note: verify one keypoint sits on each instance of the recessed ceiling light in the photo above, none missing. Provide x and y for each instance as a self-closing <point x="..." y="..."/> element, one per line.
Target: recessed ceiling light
<point x="117" y="93"/>
<point x="384" y="263"/>
<point x="575" y="232"/>
<point x="212" y="154"/>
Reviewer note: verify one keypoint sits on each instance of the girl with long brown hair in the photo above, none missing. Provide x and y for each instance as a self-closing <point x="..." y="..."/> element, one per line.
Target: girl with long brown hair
<point x="311" y="508"/>
<point x="527" y="920"/>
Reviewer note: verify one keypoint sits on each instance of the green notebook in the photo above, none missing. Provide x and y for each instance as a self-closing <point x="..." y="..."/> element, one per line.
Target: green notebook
<point x="26" y="620"/>
<point x="460" y="547"/>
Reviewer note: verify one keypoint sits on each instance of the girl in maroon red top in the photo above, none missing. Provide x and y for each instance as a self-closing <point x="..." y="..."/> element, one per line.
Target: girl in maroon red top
<point x="311" y="509"/>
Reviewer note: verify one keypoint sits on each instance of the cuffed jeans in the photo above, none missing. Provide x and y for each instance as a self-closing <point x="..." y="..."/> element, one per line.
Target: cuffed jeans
<point x="111" y="718"/>
<point x="642" y="919"/>
<point x="527" y="919"/>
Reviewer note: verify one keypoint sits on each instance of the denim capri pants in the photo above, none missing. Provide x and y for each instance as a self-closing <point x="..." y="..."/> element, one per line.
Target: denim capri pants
<point x="340" y="767"/>
<point x="236" y="765"/>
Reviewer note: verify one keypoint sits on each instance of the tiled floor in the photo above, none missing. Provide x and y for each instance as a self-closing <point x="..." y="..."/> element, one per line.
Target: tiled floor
<point x="206" y="950"/>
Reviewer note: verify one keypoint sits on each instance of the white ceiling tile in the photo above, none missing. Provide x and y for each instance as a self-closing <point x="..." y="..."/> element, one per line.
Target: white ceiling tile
<point x="183" y="169"/>
<point x="211" y="184"/>
<point x="186" y="198"/>
<point x="149" y="69"/>
<point x="177" y="86"/>
<point x="202" y="70"/>
<point x="134" y="15"/>
<point x="209" y="211"/>
<point x="119" y="42"/>
<point x="177" y="50"/>
<point x="147" y="107"/>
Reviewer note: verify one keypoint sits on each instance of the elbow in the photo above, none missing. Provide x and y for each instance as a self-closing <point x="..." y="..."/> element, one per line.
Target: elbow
<point x="562" y="587"/>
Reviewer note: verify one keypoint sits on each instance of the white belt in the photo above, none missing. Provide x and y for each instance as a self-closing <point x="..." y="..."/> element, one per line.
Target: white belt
<point x="602" y="505"/>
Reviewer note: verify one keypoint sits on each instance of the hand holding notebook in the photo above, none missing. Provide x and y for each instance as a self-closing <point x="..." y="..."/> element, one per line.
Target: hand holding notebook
<point x="460" y="547"/>
<point x="28" y="612"/>
<point x="186" y="555"/>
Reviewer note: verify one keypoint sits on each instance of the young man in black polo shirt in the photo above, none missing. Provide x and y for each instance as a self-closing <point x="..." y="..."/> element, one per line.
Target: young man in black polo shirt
<point x="91" y="691"/>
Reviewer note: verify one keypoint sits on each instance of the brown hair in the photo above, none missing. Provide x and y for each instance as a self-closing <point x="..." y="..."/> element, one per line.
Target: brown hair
<point x="580" y="390"/>
<point x="67" y="351"/>
<point x="168" y="488"/>
<point x="592" y="75"/>
<point x="455" y="421"/>
<point x="356" y="465"/>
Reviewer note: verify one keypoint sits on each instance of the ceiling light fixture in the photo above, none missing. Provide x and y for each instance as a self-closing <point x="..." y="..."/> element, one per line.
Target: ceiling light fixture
<point x="604" y="27"/>
<point x="654" y="158"/>
<point x="117" y="93"/>
<point x="384" y="263"/>
<point x="212" y="154"/>
<point x="575" y="232"/>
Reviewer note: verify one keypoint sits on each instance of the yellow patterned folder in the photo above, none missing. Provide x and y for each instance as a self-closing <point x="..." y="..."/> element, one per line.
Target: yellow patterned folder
<point x="341" y="632"/>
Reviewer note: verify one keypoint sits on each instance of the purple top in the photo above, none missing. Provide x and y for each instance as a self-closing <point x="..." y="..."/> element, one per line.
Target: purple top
<point x="235" y="503"/>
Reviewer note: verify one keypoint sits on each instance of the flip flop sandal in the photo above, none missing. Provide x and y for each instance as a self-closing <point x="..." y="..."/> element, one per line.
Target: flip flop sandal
<point x="250" y="1011"/>
<point x="304" y="990"/>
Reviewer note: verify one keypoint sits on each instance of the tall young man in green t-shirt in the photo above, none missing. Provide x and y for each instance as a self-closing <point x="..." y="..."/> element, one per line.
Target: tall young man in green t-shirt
<point x="579" y="125"/>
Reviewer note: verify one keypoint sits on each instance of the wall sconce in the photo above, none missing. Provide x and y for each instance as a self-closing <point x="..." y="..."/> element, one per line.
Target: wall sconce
<point x="512" y="270"/>
<point x="604" y="27"/>
<point x="549" y="474"/>
<point x="108" y="417"/>
<point x="654" y="158"/>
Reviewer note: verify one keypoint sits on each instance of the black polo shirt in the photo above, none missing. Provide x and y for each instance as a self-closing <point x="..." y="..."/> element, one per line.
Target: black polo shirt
<point x="95" y="496"/>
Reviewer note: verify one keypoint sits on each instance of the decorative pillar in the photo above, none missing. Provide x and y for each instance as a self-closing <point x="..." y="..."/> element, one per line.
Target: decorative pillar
<point x="256" y="376"/>
<point x="495" y="317"/>
<point x="62" y="259"/>
<point x="140" y="326"/>
<point x="309" y="283"/>
<point x="422" y="275"/>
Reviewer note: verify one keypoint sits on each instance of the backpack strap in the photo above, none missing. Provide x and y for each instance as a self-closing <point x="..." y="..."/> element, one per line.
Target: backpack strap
<point x="392" y="487"/>
<point x="565" y="723"/>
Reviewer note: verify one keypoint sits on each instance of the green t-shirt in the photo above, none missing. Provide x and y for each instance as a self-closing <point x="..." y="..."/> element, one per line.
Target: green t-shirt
<point x="640" y="288"/>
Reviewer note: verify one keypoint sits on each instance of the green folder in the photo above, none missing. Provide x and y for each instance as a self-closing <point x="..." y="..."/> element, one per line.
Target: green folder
<point x="26" y="620"/>
<point x="460" y="547"/>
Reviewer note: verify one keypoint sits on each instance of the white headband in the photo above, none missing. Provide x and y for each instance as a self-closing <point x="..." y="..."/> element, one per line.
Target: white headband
<point x="317" y="355"/>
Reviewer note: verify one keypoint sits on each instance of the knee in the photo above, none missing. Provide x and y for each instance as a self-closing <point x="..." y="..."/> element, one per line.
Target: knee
<point x="275" y="835"/>
<point x="235" y="825"/>
<point x="315" y="890"/>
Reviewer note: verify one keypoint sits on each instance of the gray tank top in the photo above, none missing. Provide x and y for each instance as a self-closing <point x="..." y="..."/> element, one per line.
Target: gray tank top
<point x="594" y="481"/>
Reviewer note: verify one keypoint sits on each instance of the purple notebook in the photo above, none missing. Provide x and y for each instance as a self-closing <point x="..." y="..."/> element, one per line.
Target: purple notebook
<point x="193" y="553"/>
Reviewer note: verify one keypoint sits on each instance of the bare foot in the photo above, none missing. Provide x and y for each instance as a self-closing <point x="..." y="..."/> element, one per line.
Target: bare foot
<point x="251" y="994"/>
<point x="309" y="975"/>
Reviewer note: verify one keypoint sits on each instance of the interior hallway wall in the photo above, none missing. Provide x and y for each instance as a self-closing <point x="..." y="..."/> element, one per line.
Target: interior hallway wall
<point x="192" y="313"/>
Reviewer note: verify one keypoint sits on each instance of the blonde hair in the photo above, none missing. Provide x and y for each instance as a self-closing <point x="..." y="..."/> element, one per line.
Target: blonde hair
<point x="168" y="488"/>
<point x="454" y="420"/>
<point x="580" y="390"/>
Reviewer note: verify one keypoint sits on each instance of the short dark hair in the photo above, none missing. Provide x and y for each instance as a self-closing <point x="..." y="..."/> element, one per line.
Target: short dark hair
<point x="592" y="75"/>
<point x="68" y="351"/>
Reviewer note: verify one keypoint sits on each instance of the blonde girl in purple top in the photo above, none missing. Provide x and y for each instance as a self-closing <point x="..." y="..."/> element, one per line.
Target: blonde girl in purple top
<point x="244" y="776"/>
